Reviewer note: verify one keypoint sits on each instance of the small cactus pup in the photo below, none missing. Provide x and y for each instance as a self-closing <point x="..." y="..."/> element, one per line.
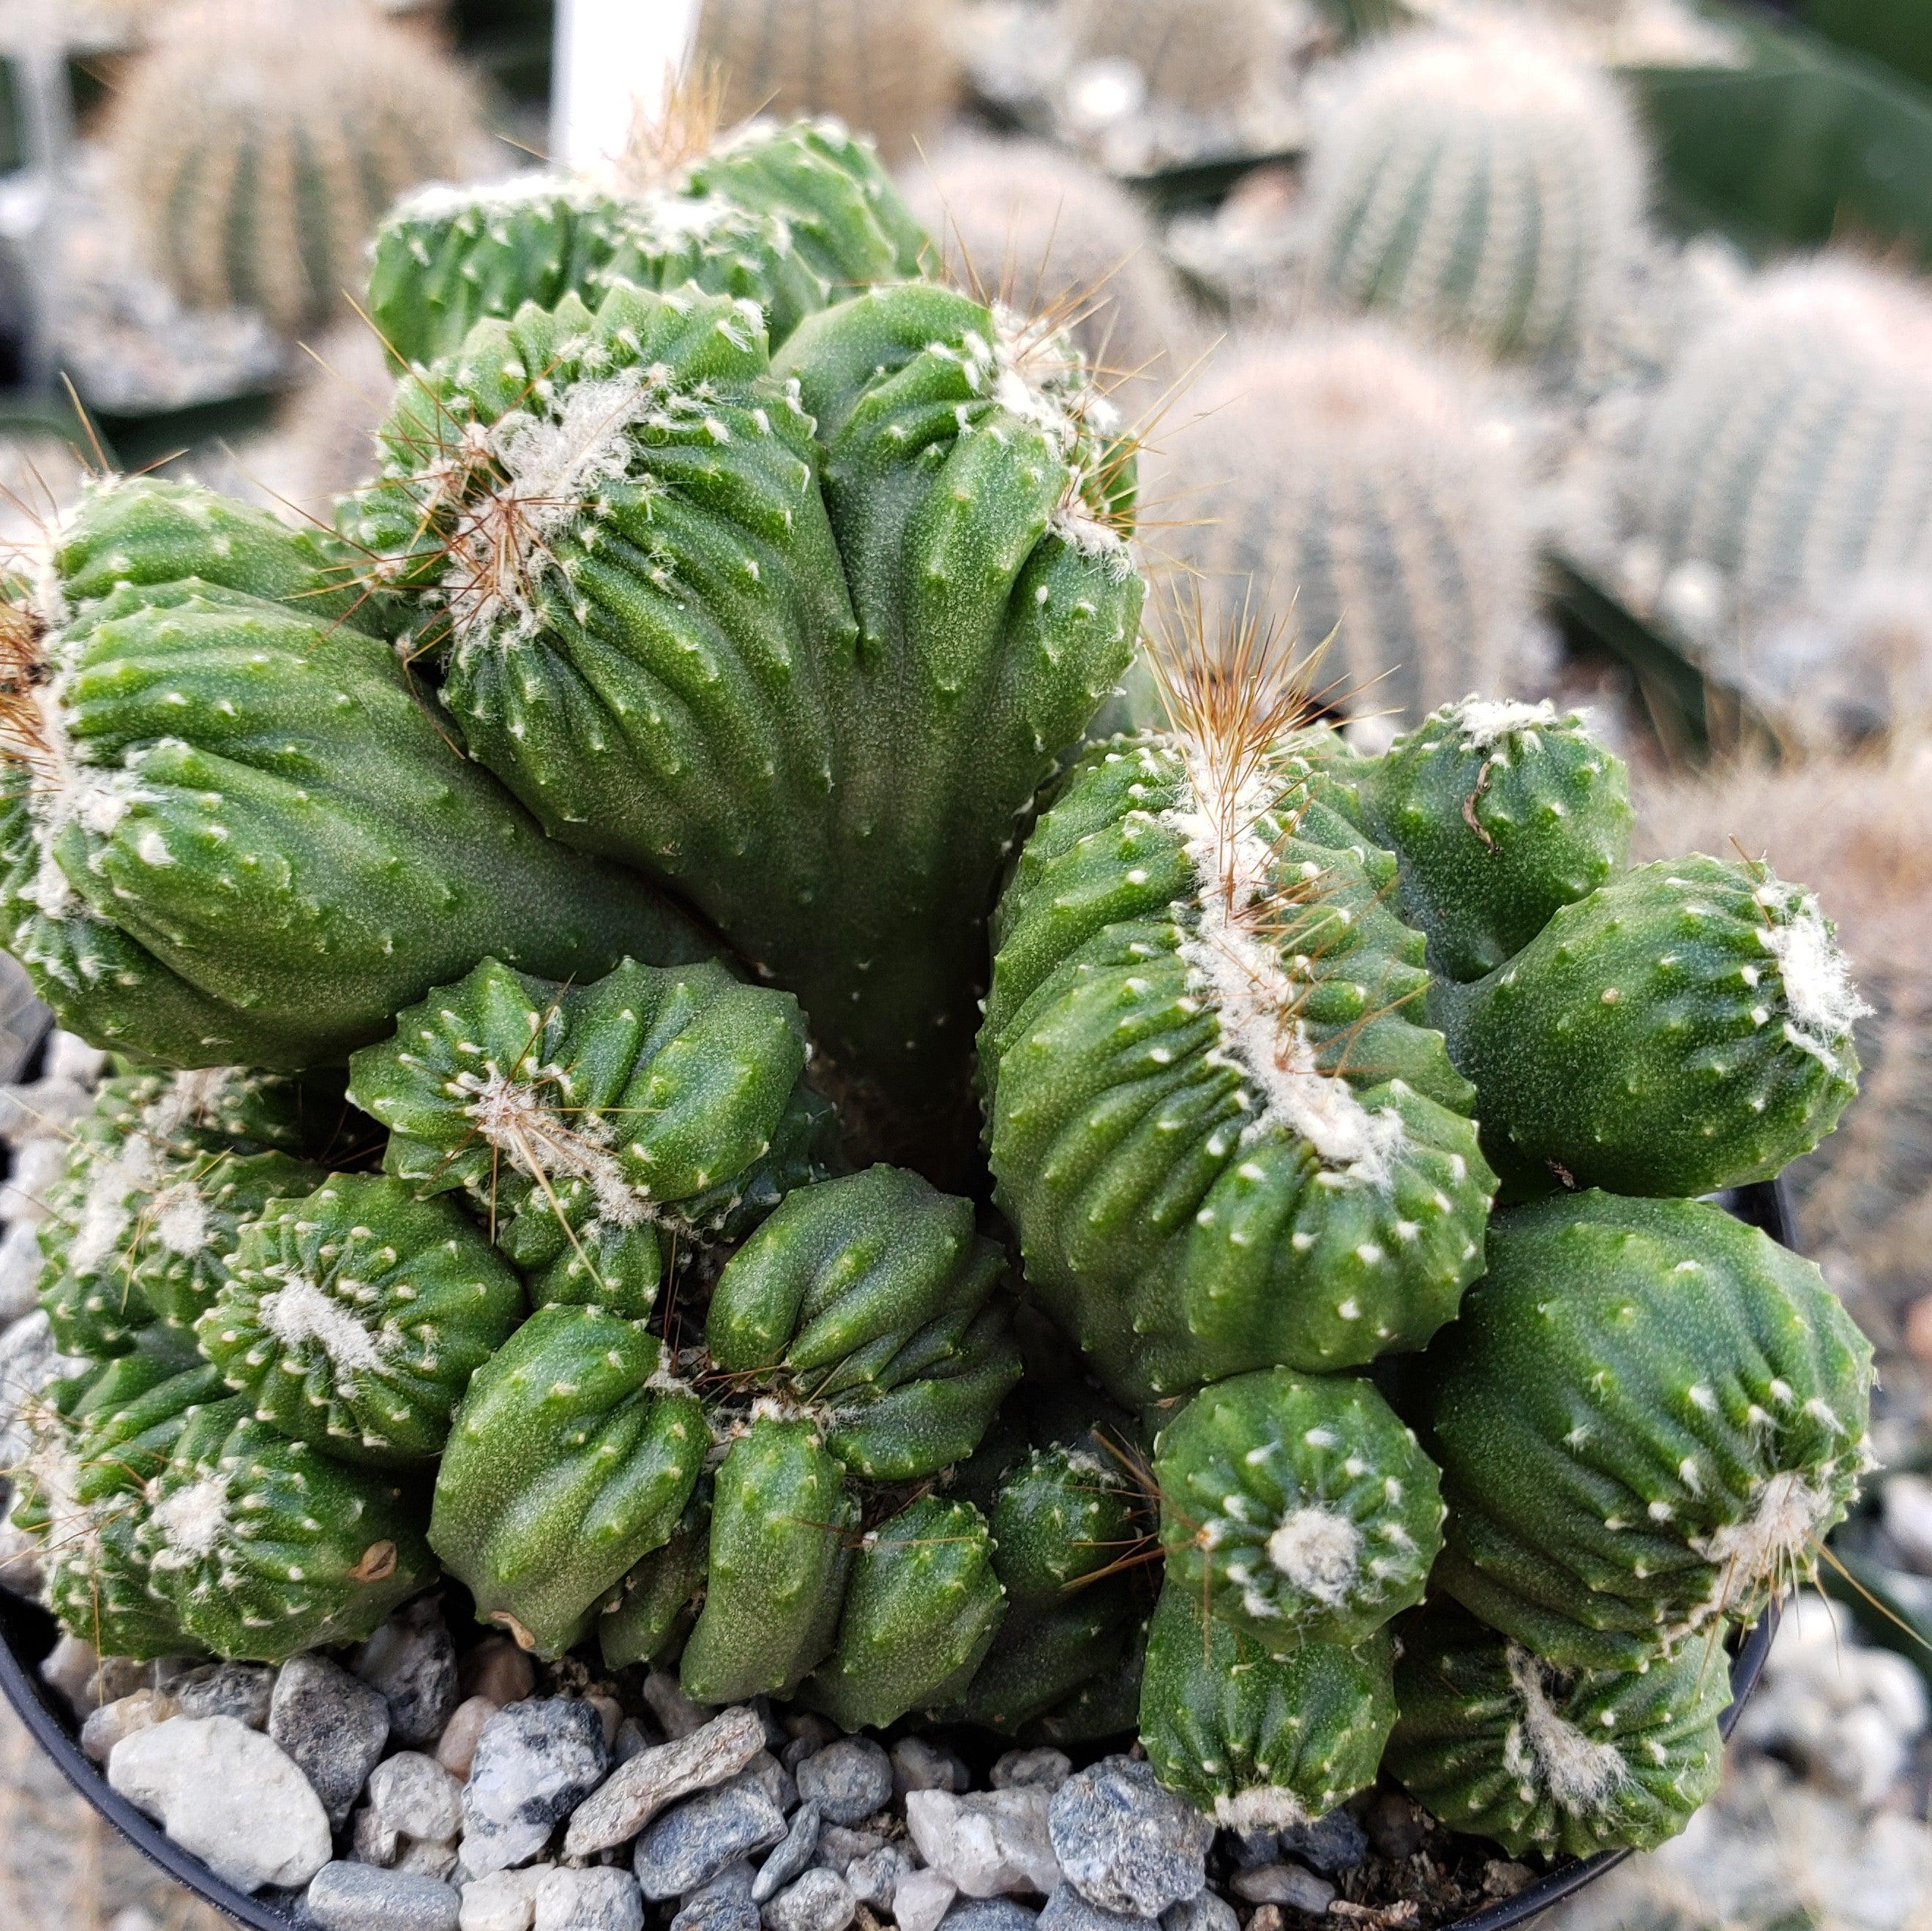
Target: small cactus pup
<point x="1647" y="1419"/>
<point x="1687" y="1026"/>
<point x="1260" y="1742"/>
<point x="1499" y="1744"/>
<point x="1485" y="186"/>
<point x="353" y="1318"/>
<point x="573" y="1454"/>
<point x="922" y="1606"/>
<point x="1297" y="1508"/>
<point x="1368" y="478"/>
<point x="262" y="1547"/>
<point x="236" y="830"/>
<point x="588" y="1122"/>
<point x="258" y="141"/>
<point x="871" y="1303"/>
<point x="650" y="1612"/>
<point x="1222" y="1133"/>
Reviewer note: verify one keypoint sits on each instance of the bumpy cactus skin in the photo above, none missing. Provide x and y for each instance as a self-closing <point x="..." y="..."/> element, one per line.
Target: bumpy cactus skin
<point x="655" y="1606"/>
<point x="572" y="1455"/>
<point x="262" y="1547"/>
<point x="923" y="1605"/>
<point x="243" y="835"/>
<point x="869" y="1300"/>
<point x="1687" y="1026"/>
<point x="1258" y="1741"/>
<point x="1495" y="1742"/>
<point x="1223" y="1137"/>
<point x="582" y="1119"/>
<point x="1300" y="1509"/>
<point x="354" y="1318"/>
<point x="1647" y="1418"/>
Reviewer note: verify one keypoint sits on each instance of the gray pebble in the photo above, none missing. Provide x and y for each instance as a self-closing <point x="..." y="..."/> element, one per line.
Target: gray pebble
<point x="990" y="1914"/>
<point x="1396" y="1827"/>
<point x="106" y="1726"/>
<point x="919" y="1765"/>
<point x="873" y="1880"/>
<point x="428" y="1859"/>
<point x="1330" y="1845"/>
<point x="774" y="1779"/>
<point x="413" y="1795"/>
<point x="1046" y="1765"/>
<point x="535" y="1762"/>
<point x="359" y="1897"/>
<point x="677" y="1715"/>
<point x="1206" y="1910"/>
<point x="819" y="1901"/>
<point x="334" y="1727"/>
<point x="838" y="1847"/>
<point x="20" y="1256"/>
<point x="807" y="1743"/>
<point x="633" y="1740"/>
<point x="598" y="1899"/>
<point x="696" y="1839"/>
<point x="1126" y="1843"/>
<point x="1067" y="1910"/>
<point x="371" y="1841"/>
<point x="242" y="1690"/>
<point x="1293" y="1884"/>
<point x="723" y="1904"/>
<point x="791" y="1855"/>
<point x="412" y="1660"/>
<point x="848" y="1780"/>
<point x="658" y="1776"/>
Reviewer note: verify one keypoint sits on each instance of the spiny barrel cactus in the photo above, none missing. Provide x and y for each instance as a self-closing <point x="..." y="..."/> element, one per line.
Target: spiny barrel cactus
<point x="1298" y="1509"/>
<point x="1199" y="57"/>
<point x="1498" y="1743"/>
<point x="1687" y="1026"/>
<point x="1486" y="187"/>
<point x="573" y="1453"/>
<point x="238" y="831"/>
<point x="353" y="1318"/>
<point x="1224" y="1136"/>
<point x="1355" y="475"/>
<point x="1647" y="1419"/>
<point x="258" y="142"/>
<point x="1260" y="1742"/>
<point x="868" y="1301"/>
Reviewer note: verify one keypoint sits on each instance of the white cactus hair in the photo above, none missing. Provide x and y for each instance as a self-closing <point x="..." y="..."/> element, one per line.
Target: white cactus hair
<point x="1482" y="184"/>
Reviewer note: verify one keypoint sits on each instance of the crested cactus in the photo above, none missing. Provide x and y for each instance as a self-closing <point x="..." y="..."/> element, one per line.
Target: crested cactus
<point x="1297" y="1510"/>
<point x="1647" y="1419"/>
<point x="353" y="1319"/>
<point x="1198" y="56"/>
<point x="587" y="1124"/>
<point x="1487" y="187"/>
<point x="1498" y="1743"/>
<point x="259" y="143"/>
<point x="1353" y="473"/>
<point x="238" y="831"/>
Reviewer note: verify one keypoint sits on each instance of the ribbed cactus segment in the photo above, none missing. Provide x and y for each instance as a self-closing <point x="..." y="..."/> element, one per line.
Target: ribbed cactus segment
<point x="1195" y="55"/>
<point x="1260" y="1742"/>
<point x="1300" y="1509"/>
<point x="573" y="1454"/>
<point x="870" y="1301"/>
<point x="923" y="1605"/>
<point x="354" y="1317"/>
<point x="1647" y="1419"/>
<point x="580" y="1120"/>
<point x="1498" y="814"/>
<point x="1688" y="1027"/>
<point x="1486" y="187"/>
<point x="239" y="831"/>
<point x="657" y="1602"/>
<point x="1496" y="1742"/>
<point x="1222" y="1134"/>
<point x="1360" y="477"/>
<point x="782" y="1522"/>
<point x="1062" y="1516"/>
<point x="262" y="1547"/>
<point x="259" y="144"/>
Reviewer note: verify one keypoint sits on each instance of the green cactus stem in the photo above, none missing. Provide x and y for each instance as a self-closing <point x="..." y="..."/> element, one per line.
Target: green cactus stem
<point x="1498" y="1743"/>
<point x="587" y="1123"/>
<point x="1260" y="1742"/>
<point x="573" y="1454"/>
<point x="652" y="1611"/>
<point x="353" y="1319"/>
<point x="1687" y="1026"/>
<point x="1648" y="1418"/>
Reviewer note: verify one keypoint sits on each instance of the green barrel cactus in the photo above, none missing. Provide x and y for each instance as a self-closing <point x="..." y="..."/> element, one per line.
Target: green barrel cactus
<point x="1647" y="1419"/>
<point x="1219" y="1125"/>
<point x="240" y="832"/>
<point x="261" y="1546"/>
<point x="922" y="1606"/>
<point x="651" y="1611"/>
<point x="573" y="1453"/>
<point x="352" y="1319"/>
<point x="589" y="1124"/>
<point x="1687" y="1026"/>
<point x="783" y="1522"/>
<point x="1498" y="1743"/>
<point x="871" y="1302"/>
<point x="1258" y="1741"/>
<point x="1299" y="1510"/>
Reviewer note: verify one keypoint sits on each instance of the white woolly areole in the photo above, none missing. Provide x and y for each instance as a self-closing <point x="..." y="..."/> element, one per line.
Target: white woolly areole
<point x="1789" y="1514"/>
<point x="1822" y="1002"/>
<point x="512" y="1118"/>
<point x="179" y="1215"/>
<point x="1260" y="1808"/>
<point x="1319" y="1551"/>
<point x="114" y="1181"/>
<point x="1547" y="1751"/>
<point x="448" y="200"/>
<point x="192" y="1520"/>
<point x="1485" y="722"/>
<point x="299" y="1310"/>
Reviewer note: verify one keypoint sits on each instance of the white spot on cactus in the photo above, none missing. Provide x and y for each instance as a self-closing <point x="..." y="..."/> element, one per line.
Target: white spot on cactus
<point x="1319" y="1551"/>
<point x="1262" y="1807"/>
<point x="179" y="1215"/>
<point x="1822" y="1003"/>
<point x="1789" y="1513"/>
<point x="191" y="1520"/>
<point x="512" y="1117"/>
<point x="299" y="1310"/>
<point x="1484" y="723"/>
<point x="1550" y="1753"/>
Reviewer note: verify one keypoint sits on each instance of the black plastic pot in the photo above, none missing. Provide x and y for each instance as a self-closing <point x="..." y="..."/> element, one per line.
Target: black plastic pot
<point x="28" y="1632"/>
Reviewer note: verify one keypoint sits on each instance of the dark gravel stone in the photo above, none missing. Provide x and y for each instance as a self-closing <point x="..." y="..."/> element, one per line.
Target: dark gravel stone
<point x="1125" y="1843"/>
<point x="334" y="1727"/>
<point x="1330" y="1845"/>
<point x="790" y="1856"/>
<point x="412" y="1660"/>
<point x="359" y="1897"/>
<point x="819" y="1901"/>
<point x="1067" y="1910"/>
<point x="989" y="1914"/>
<point x="242" y="1690"/>
<point x="1206" y="1910"/>
<point x="848" y="1780"/>
<point x="724" y="1903"/>
<point x="696" y="1839"/>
